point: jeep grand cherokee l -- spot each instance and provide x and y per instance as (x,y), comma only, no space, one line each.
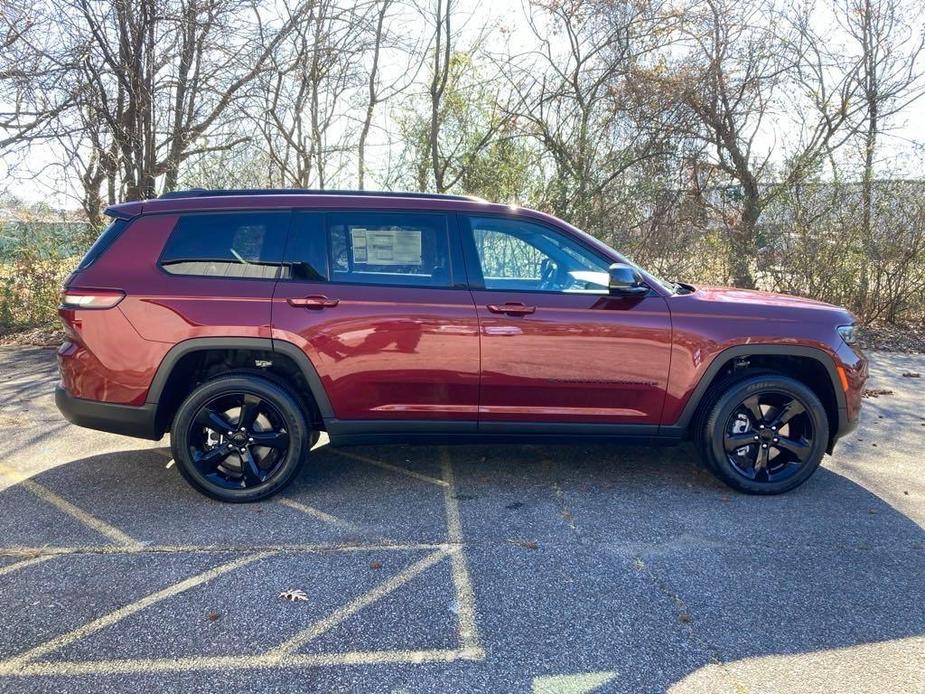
(246,322)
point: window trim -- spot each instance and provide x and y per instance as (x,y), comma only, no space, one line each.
(159,263)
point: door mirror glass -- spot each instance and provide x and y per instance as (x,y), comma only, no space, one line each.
(625,280)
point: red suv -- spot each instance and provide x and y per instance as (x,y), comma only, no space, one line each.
(246,322)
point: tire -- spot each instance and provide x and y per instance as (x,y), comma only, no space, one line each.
(763,434)
(223,462)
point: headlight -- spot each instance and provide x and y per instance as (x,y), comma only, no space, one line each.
(849,333)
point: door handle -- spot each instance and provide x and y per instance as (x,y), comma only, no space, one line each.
(315,302)
(512,309)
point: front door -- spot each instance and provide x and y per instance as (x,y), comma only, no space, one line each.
(373,300)
(555,345)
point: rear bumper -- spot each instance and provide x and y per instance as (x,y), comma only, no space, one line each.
(127,420)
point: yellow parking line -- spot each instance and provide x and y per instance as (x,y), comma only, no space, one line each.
(340,614)
(314,512)
(468,631)
(10,568)
(123,612)
(143,665)
(394,468)
(48,496)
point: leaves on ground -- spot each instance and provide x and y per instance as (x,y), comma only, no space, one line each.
(375,565)
(527,544)
(214,616)
(876,392)
(294,595)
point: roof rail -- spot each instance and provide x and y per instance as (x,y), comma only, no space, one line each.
(203,193)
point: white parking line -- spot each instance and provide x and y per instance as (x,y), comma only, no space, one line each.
(341,613)
(48,496)
(468,631)
(10,568)
(107,620)
(393,468)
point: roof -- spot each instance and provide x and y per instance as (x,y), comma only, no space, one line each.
(204,192)
(203,200)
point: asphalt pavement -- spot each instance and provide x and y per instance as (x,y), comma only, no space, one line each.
(571,568)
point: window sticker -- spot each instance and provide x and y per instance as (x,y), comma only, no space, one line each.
(358,238)
(386,246)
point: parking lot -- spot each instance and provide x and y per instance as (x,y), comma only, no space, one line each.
(478,568)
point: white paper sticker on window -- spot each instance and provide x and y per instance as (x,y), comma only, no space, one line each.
(358,238)
(387,246)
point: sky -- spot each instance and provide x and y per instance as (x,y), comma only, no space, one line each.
(902,146)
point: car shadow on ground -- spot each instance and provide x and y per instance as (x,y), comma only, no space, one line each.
(565,541)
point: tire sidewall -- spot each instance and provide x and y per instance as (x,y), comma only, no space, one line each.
(727,403)
(285,403)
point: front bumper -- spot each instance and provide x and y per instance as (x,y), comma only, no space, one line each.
(127,420)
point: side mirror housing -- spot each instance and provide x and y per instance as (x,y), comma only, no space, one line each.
(625,280)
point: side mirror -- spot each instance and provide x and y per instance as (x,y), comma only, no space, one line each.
(625,280)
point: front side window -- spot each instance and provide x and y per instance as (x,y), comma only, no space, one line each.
(232,244)
(390,248)
(517,255)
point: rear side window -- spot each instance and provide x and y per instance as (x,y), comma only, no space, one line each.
(245,245)
(103,242)
(390,248)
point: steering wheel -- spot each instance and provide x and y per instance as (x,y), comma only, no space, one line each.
(548,272)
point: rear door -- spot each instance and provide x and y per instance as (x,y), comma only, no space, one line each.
(378,303)
(556,347)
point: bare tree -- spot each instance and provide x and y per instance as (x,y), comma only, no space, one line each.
(745,65)
(889,37)
(380,89)
(573,94)
(304,122)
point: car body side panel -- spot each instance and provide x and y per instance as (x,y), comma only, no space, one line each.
(387,352)
(122,347)
(704,328)
(579,358)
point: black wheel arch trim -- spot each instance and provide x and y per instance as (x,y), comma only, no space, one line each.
(723,358)
(200,344)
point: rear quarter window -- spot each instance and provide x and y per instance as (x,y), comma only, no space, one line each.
(102,243)
(247,245)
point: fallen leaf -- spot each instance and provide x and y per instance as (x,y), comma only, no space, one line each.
(528,544)
(875,392)
(214,616)
(293,595)
(375,565)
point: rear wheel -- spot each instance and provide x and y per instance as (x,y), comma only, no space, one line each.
(765,434)
(239,438)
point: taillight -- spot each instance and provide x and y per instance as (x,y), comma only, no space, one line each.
(91,298)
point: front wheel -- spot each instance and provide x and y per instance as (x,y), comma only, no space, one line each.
(765,435)
(239,438)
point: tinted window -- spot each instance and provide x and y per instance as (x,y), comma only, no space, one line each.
(306,252)
(390,248)
(522,256)
(236,244)
(103,241)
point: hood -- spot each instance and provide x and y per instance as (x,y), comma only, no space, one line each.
(756,304)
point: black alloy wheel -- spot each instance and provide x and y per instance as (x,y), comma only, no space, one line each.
(239,440)
(240,437)
(764,434)
(768,437)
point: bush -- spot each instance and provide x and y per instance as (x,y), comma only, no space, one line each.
(32,273)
